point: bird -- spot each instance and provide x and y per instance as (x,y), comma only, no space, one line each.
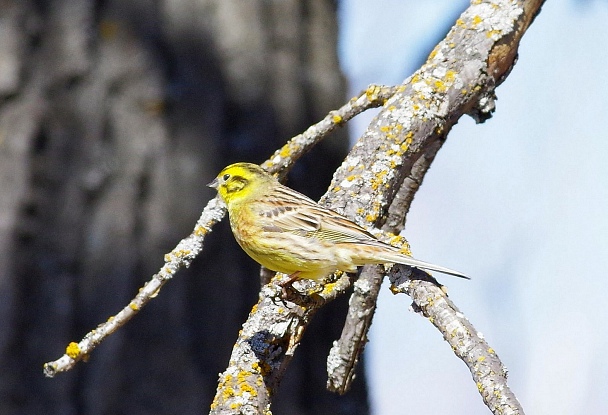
(287,232)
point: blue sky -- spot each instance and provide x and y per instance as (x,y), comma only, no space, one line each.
(520,203)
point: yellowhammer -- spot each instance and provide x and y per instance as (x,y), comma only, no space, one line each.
(287,232)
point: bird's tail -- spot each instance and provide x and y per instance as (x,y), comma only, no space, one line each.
(399,258)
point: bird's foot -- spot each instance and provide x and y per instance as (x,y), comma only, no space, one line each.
(288,285)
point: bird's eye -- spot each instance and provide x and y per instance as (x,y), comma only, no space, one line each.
(226,176)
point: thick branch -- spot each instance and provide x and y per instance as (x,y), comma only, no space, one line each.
(452,82)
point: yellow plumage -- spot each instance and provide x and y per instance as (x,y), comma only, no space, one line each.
(287,232)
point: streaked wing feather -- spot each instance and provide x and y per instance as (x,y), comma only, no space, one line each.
(305,217)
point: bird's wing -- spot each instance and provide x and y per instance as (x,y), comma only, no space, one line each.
(337,228)
(296,213)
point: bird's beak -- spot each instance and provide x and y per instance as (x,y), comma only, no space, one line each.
(214,184)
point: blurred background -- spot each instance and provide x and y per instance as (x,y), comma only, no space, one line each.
(114,114)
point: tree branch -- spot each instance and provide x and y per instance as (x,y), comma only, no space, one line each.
(458,78)
(488,372)
(494,40)
(188,248)
(346,351)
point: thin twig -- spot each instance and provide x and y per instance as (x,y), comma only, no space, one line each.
(285,157)
(487,370)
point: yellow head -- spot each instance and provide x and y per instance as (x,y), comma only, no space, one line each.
(240,182)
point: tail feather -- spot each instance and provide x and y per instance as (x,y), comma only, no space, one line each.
(400,258)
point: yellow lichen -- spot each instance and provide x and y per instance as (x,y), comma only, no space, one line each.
(450,76)
(200,231)
(439,86)
(133,306)
(73,350)
(245,387)
(337,119)
(328,288)
(494,34)
(476,20)
(242,376)
(372,93)
(285,151)
(460,23)
(378,179)
(395,240)
(180,253)
(409,138)
(228,393)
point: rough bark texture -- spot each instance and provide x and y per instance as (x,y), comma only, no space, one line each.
(458,78)
(483,42)
(113,115)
